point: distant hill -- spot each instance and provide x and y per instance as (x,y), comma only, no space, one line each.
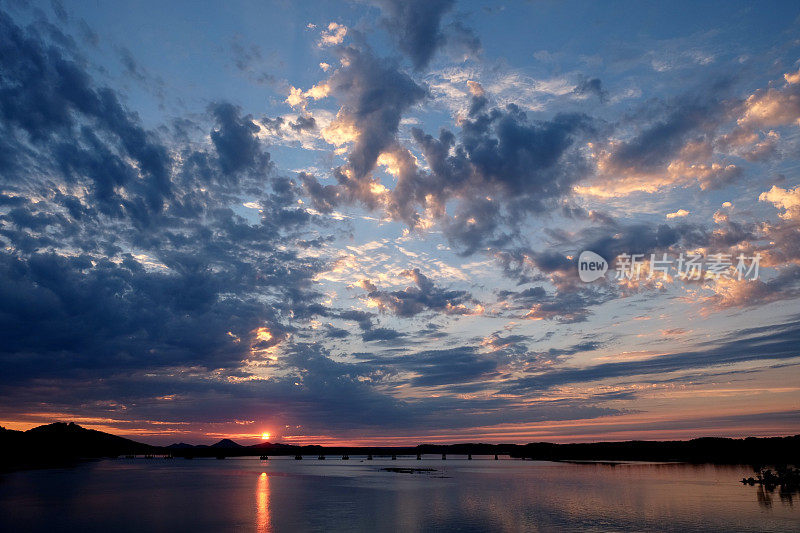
(180,446)
(227,444)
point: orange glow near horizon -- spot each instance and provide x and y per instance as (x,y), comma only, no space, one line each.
(690,422)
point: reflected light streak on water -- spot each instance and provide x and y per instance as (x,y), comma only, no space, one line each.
(263,524)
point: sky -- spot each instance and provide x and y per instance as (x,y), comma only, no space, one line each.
(361,222)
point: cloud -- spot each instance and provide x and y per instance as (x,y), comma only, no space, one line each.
(235,140)
(750,144)
(284,126)
(419,33)
(673,150)
(324,198)
(573,301)
(381,334)
(452,366)
(374,95)
(121,252)
(732,292)
(59,11)
(70,124)
(678,214)
(362,318)
(591,86)
(69,317)
(500,155)
(299,99)
(567,304)
(426,296)
(333,35)
(773,342)
(691,142)
(786,199)
(774,106)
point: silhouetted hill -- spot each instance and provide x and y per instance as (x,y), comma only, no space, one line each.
(226,443)
(750,450)
(61,441)
(275,446)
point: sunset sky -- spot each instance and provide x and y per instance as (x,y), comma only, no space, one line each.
(359,222)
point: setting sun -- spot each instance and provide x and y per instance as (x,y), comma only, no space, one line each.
(264,436)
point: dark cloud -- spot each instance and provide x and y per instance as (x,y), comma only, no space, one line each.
(500,167)
(362,318)
(418,29)
(381,334)
(591,86)
(324,198)
(301,124)
(773,342)
(442,367)
(566,305)
(47,100)
(235,140)
(245,57)
(66,315)
(335,388)
(454,365)
(304,124)
(151,268)
(333,332)
(426,296)
(501,155)
(682,128)
(661,141)
(374,94)
(249,60)
(506,152)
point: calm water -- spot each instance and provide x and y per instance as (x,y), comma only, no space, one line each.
(481,495)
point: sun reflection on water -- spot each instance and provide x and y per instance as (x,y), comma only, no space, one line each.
(263,521)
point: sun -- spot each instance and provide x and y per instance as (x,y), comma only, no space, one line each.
(265,436)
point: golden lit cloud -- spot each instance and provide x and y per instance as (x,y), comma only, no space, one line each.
(263,334)
(679,213)
(333,35)
(786,199)
(340,131)
(774,106)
